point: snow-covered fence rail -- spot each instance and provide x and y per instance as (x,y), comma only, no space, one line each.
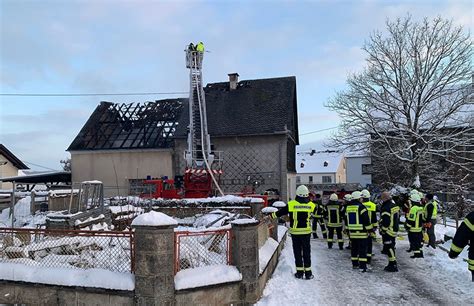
(198,249)
(112,251)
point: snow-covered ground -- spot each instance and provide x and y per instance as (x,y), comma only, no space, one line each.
(436,279)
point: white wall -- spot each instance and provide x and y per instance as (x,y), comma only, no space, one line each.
(354,170)
(7,170)
(317,178)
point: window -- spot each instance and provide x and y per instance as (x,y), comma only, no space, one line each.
(367,169)
(325,164)
(310,178)
(327,179)
(298,179)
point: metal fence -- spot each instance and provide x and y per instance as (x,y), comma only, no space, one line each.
(453,213)
(198,249)
(112,251)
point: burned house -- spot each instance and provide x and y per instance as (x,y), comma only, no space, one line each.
(252,122)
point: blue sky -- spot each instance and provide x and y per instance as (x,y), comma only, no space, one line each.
(106,46)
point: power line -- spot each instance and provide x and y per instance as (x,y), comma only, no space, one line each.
(27,162)
(91,94)
(317,131)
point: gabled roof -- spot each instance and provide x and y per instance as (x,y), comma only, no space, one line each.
(318,162)
(256,107)
(16,162)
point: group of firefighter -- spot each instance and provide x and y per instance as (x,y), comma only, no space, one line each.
(356,216)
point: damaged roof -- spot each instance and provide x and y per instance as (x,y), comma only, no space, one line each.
(255,107)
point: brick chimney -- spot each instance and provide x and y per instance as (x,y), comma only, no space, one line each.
(233,80)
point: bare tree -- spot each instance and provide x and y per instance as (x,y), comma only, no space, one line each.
(412,101)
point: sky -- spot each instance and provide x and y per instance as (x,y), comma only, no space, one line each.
(106,46)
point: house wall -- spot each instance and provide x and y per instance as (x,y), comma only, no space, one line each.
(354,170)
(129,164)
(317,178)
(7,170)
(341,172)
(247,159)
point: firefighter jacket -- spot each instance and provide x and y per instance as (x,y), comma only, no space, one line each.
(464,236)
(333,214)
(299,211)
(431,210)
(372,210)
(200,47)
(357,220)
(389,218)
(415,219)
(319,212)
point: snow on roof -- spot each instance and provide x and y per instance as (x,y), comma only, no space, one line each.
(318,162)
(154,218)
(269,210)
(206,276)
(245,221)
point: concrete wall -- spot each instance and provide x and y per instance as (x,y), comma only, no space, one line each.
(129,164)
(354,170)
(7,170)
(260,158)
(38,294)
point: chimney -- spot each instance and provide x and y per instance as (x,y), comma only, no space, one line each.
(233,80)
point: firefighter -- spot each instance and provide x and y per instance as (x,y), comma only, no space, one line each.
(414,225)
(389,222)
(430,214)
(318,217)
(464,236)
(359,226)
(372,210)
(200,47)
(333,216)
(299,211)
(347,201)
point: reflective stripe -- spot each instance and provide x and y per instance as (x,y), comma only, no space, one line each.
(391,256)
(385,213)
(455,248)
(469,224)
(274,215)
(354,258)
(340,240)
(307,269)
(363,259)
(300,231)
(299,268)
(358,235)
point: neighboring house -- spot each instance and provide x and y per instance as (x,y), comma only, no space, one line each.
(320,168)
(253,122)
(359,170)
(9,165)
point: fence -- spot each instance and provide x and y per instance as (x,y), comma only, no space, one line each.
(112,251)
(198,249)
(453,213)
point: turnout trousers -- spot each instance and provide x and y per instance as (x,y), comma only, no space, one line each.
(431,233)
(338,231)
(359,253)
(315,227)
(416,241)
(389,248)
(302,252)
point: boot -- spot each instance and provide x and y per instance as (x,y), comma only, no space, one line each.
(392,267)
(369,260)
(329,245)
(409,250)
(472,273)
(299,274)
(308,275)
(315,236)
(417,255)
(341,245)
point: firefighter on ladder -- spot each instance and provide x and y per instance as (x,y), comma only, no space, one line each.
(299,211)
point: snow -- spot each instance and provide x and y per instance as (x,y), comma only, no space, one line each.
(266,252)
(245,221)
(226,198)
(91,182)
(269,210)
(90,219)
(154,218)
(125,208)
(282,230)
(21,211)
(96,278)
(315,163)
(416,182)
(206,276)
(279,204)
(61,192)
(436,279)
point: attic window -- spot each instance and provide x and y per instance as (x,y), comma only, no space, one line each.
(325,164)
(302,163)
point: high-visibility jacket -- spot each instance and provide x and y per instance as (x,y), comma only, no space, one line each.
(415,219)
(431,210)
(389,220)
(464,236)
(372,210)
(333,214)
(300,215)
(200,47)
(320,210)
(357,220)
